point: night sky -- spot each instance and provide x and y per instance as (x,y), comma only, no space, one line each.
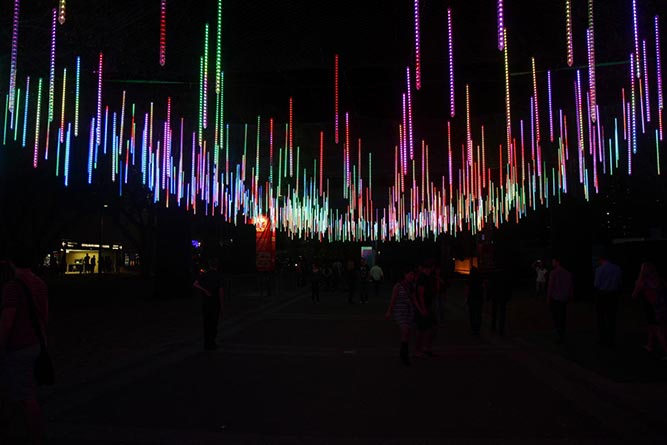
(276,50)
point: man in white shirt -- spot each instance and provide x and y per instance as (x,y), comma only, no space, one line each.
(540,279)
(376,277)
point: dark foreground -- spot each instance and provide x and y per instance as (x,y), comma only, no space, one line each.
(132,371)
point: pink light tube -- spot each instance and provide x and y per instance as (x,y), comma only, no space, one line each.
(450,45)
(633,105)
(646,90)
(507,92)
(336,113)
(568,31)
(658,69)
(15,42)
(501,26)
(205,86)
(418,76)
(449,151)
(99,100)
(291,140)
(270,150)
(551,118)
(403,134)
(537,112)
(163,32)
(636,34)
(409,132)
(52,69)
(591,72)
(468,130)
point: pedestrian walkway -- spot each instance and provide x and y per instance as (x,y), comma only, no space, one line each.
(294,372)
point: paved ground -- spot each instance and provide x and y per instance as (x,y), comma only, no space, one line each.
(133,372)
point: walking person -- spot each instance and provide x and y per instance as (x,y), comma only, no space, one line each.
(351,277)
(23,324)
(652,291)
(363,281)
(86,264)
(607,284)
(425,315)
(500,291)
(315,282)
(211,286)
(401,307)
(559,293)
(377,276)
(541,273)
(474,293)
(440,296)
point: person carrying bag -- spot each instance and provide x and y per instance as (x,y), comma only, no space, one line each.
(44,374)
(23,321)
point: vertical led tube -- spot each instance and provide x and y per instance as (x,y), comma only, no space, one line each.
(336,139)
(99,100)
(507,91)
(590,35)
(257,137)
(163,32)
(52,69)
(67,153)
(200,126)
(646,88)
(61,13)
(633,104)
(409,132)
(91,151)
(270,149)
(322,160)
(658,65)
(418,77)
(450,41)
(658,75)
(501,26)
(15,121)
(37,123)
(25,111)
(551,119)
(122,121)
(636,34)
(205,85)
(76,99)
(568,32)
(15,43)
(468,129)
(291,138)
(449,157)
(4,131)
(62,108)
(538,135)
(218,52)
(347,151)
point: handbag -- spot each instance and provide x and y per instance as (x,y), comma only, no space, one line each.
(43,370)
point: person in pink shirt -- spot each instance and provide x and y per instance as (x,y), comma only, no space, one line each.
(19,340)
(559,293)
